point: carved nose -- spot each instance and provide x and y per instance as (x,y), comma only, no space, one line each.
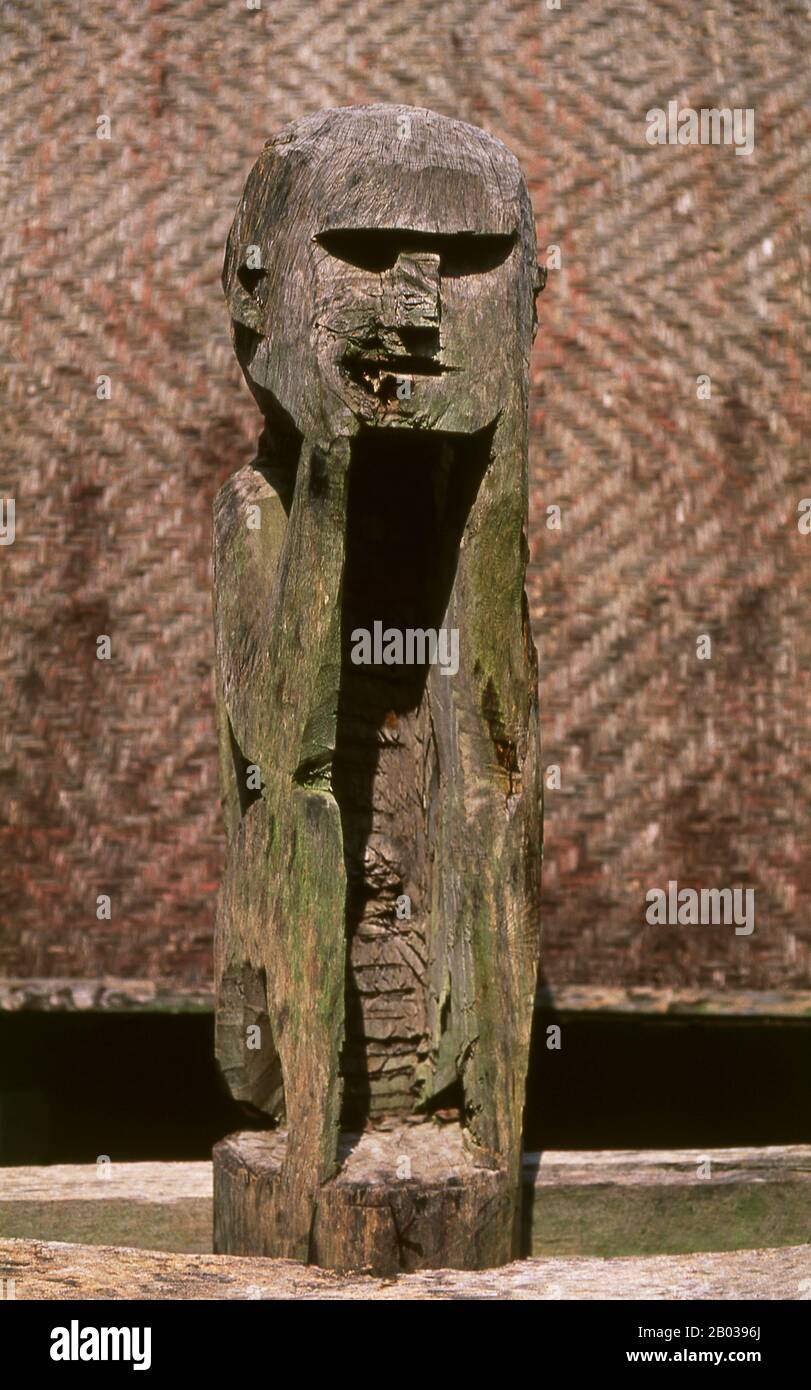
(412,300)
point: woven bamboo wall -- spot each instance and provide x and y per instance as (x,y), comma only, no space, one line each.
(679,516)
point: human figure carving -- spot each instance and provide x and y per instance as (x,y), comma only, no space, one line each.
(377,927)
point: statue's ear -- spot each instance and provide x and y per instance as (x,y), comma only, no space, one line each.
(244,280)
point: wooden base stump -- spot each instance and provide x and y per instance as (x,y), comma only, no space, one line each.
(406,1198)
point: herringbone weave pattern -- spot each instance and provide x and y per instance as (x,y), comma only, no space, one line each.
(679,515)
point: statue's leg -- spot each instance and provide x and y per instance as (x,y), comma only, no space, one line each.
(284,886)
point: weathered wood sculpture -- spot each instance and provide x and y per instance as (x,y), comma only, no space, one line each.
(378,921)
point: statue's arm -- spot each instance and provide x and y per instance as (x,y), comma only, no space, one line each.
(249,525)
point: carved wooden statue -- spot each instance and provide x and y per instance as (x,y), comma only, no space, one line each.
(378,921)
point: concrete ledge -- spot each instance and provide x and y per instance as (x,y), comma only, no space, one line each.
(107,995)
(656,1201)
(111,994)
(149,1206)
(578,1204)
(709,1004)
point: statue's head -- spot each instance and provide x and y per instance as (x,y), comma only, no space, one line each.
(381,270)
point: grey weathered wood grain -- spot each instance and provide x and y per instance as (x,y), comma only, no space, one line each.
(49,1270)
(375,246)
(406,1197)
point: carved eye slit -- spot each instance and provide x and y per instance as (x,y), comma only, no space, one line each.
(250,277)
(376,249)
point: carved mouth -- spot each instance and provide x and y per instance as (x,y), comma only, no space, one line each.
(376,374)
